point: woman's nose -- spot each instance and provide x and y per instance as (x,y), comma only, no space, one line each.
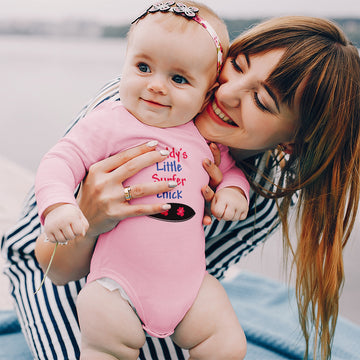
(229,95)
(157,85)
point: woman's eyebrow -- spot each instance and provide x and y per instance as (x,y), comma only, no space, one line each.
(273,96)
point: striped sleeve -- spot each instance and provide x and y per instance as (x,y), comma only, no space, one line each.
(49,320)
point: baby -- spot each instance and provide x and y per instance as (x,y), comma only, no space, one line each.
(149,273)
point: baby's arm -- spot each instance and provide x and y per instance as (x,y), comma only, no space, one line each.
(64,222)
(231,200)
(63,167)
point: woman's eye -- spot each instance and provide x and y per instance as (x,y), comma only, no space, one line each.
(179,79)
(143,67)
(259,104)
(236,65)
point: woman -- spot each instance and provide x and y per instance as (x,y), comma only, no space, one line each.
(304,97)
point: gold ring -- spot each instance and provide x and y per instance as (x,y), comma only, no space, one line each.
(127,193)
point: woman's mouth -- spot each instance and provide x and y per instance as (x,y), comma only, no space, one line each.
(220,115)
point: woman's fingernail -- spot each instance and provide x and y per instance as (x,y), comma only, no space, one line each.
(164,152)
(152,143)
(207,190)
(166,207)
(207,162)
(172,184)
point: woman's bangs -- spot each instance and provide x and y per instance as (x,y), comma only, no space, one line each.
(288,74)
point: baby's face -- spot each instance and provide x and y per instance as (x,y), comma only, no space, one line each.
(168,71)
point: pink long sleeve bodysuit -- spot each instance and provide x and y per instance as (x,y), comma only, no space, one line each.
(158,261)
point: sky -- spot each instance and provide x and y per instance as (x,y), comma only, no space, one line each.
(119,11)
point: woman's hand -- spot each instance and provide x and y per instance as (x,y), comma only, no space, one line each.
(215,179)
(102,201)
(101,197)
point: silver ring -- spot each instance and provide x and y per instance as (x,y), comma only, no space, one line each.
(127,193)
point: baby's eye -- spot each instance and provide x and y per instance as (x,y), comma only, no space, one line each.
(143,67)
(179,79)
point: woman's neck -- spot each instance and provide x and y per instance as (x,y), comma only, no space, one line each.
(240,154)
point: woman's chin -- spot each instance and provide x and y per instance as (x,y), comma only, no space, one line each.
(213,131)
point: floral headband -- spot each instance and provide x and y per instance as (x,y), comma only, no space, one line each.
(190,13)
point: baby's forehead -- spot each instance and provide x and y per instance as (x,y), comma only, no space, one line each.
(169,22)
(186,35)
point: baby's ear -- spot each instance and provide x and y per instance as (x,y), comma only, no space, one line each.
(208,96)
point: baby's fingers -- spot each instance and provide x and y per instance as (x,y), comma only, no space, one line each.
(57,236)
(234,214)
(218,209)
(67,234)
(241,214)
(54,233)
(79,227)
(50,237)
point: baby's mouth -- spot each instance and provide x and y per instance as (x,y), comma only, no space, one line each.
(221,115)
(154,103)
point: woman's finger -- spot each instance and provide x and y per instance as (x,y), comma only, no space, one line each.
(146,189)
(216,153)
(208,195)
(139,210)
(214,173)
(133,166)
(113,162)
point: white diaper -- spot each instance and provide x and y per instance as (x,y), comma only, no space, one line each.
(112,285)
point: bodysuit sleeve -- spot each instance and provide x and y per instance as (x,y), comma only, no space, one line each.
(66,164)
(232,175)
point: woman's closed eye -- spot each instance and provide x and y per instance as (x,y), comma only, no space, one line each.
(242,64)
(179,79)
(236,65)
(259,104)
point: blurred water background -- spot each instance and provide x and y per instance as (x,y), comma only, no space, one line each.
(44,82)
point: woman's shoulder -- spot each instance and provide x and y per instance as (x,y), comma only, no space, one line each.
(108,93)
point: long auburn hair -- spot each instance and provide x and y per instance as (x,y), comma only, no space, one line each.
(324,166)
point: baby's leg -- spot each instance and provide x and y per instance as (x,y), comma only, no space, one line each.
(110,329)
(210,329)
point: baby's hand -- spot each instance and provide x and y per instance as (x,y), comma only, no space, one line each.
(64,222)
(229,204)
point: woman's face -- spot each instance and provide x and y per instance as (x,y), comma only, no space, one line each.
(246,112)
